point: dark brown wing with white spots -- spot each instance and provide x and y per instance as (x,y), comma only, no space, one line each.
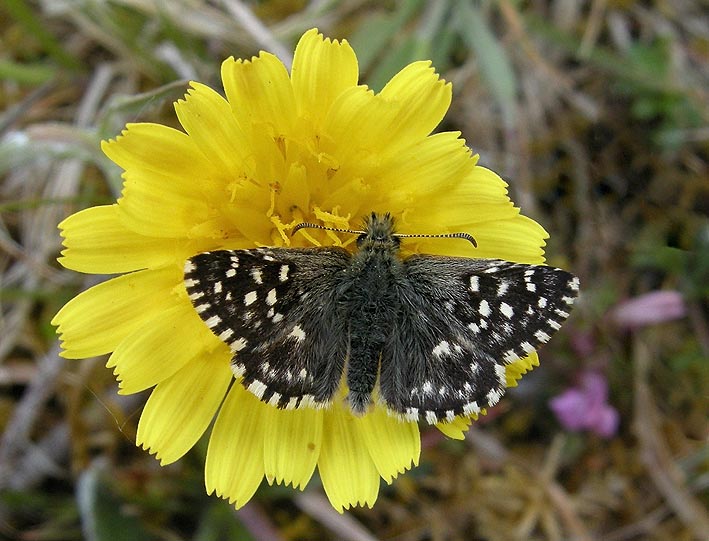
(275,309)
(461,321)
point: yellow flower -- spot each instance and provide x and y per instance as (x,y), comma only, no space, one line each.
(278,151)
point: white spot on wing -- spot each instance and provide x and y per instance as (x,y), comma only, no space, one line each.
(471,408)
(217,287)
(250,298)
(542,336)
(238,345)
(298,333)
(257,388)
(493,397)
(292,403)
(509,356)
(257,276)
(443,348)
(283,274)
(474,284)
(501,372)
(527,347)
(271,297)
(506,310)
(238,369)
(213,321)
(502,288)
(225,335)
(484,308)
(431,418)
(231,273)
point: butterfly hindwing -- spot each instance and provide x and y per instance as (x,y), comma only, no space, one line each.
(460,322)
(274,308)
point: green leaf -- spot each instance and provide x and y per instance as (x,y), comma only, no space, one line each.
(495,66)
(220,522)
(103,516)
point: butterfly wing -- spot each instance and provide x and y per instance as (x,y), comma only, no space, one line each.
(461,321)
(274,307)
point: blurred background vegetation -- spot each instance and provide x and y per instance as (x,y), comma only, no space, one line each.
(596,112)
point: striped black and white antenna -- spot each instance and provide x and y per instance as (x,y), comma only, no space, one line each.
(466,236)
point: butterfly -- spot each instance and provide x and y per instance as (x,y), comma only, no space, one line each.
(427,336)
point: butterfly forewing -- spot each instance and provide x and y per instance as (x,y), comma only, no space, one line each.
(275,309)
(461,321)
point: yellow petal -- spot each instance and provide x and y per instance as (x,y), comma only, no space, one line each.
(435,163)
(260,93)
(161,347)
(366,122)
(234,465)
(520,240)
(159,149)
(455,429)
(157,213)
(394,446)
(292,441)
(208,119)
(168,181)
(422,99)
(515,371)
(483,210)
(322,70)
(97,242)
(97,320)
(479,196)
(181,408)
(347,471)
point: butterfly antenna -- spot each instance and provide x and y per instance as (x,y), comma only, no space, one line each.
(466,236)
(306,225)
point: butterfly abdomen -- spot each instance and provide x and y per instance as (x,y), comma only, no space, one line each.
(370,305)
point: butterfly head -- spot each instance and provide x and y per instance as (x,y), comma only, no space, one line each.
(378,233)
